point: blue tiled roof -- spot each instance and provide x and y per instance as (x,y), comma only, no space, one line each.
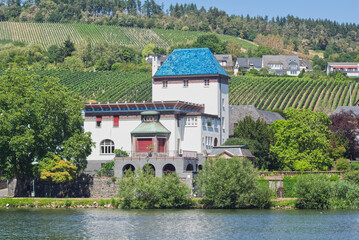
(190,61)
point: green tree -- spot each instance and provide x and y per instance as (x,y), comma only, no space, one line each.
(302,141)
(148,49)
(210,41)
(262,133)
(54,169)
(38,117)
(234,48)
(232,183)
(72,63)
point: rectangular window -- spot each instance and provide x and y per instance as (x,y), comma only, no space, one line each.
(206,82)
(191,121)
(164,84)
(98,121)
(116,120)
(185,83)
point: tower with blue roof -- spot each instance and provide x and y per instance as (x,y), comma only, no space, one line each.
(195,75)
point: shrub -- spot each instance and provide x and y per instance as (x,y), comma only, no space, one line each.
(289,185)
(354,166)
(352,176)
(313,191)
(232,183)
(147,191)
(342,164)
(345,195)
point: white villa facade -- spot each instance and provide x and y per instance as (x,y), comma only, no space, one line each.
(188,116)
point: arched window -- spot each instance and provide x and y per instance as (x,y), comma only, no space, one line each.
(189,167)
(215,142)
(128,168)
(107,146)
(168,168)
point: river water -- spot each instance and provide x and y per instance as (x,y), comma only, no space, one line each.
(177,224)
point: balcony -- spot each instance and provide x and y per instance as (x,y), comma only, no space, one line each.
(160,155)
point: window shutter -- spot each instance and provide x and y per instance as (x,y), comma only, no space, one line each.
(116,120)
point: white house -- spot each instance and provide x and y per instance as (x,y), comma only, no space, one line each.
(351,69)
(188,115)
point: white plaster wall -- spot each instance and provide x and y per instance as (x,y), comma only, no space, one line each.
(170,124)
(225,113)
(192,137)
(121,136)
(195,93)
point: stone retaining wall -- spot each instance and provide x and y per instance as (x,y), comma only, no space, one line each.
(84,186)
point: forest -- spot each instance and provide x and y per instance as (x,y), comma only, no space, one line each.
(283,32)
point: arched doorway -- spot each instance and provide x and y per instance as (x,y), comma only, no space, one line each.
(189,168)
(168,168)
(215,142)
(200,167)
(128,167)
(151,168)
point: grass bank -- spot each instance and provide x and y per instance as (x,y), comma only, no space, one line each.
(103,203)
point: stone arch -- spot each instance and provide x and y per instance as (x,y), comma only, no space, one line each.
(153,169)
(168,168)
(128,167)
(189,167)
(215,142)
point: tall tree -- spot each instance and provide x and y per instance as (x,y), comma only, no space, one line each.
(38,117)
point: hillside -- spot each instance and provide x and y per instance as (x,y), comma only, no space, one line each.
(264,93)
(48,34)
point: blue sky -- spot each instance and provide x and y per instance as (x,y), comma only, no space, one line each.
(339,10)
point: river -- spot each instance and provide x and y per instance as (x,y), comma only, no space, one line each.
(177,224)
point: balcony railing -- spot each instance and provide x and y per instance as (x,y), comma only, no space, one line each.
(152,154)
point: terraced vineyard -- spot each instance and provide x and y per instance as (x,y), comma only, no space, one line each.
(281,93)
(56,33)
(105,86)
(264,93)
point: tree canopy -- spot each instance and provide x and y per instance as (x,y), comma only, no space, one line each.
(302,141)
(38,117)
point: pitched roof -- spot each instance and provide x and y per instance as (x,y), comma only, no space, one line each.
(239,112)
(236,150)
(192,61)
(280,59)
(150,127)
(306,64)
(224,58)
(249,62)
(354,109)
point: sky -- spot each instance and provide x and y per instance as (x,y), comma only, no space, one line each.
(342,11)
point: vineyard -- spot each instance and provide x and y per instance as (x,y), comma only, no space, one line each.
(105,86)
(281,93)
(48,34)
(264,93)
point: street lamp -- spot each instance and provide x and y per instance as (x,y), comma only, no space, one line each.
(33,180)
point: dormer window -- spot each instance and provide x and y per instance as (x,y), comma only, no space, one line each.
(185,83)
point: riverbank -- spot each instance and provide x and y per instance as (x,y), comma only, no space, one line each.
(279,203)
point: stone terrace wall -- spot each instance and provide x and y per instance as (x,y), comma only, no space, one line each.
(85,186)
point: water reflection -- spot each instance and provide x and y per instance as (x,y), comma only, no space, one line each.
(177,224)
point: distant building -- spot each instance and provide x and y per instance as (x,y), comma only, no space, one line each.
(248,64)
(354,109)
(240,151)
(187,117)
(306,65)
(351,69)
(282,64)
(156,60)
(225,61)
(239,112)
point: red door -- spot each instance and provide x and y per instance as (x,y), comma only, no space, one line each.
(161,144)
(142,144)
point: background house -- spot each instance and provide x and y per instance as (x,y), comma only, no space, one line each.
(239,112)
(282,64)
(156,60)
(351,69)
(225,61)
(247,64)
